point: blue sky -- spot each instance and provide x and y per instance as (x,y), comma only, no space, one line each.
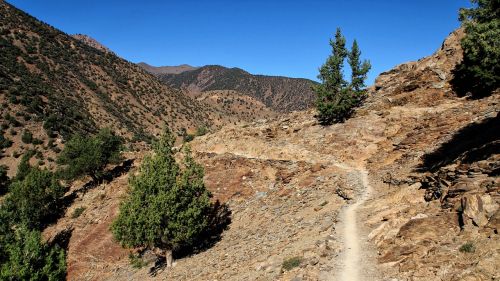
(273,37)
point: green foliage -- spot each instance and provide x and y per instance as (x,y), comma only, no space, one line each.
(201,131)
(467,248)
(77,212)
(90,155)
(336,98)
(136,261)
(26,257)
(167,206)
(291,263)
(4,142)
(479,72)
(359,70)
(4,179)
(27,137)
(35,199)
(24,165)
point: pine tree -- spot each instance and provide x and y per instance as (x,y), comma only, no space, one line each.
(167,206)
(336,98)
(359,70)
(478,73)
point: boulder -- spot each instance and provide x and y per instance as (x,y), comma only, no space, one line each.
(478,209)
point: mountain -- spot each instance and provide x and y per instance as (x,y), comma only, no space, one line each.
(166,69)
(91,42)
(279,94)
(53,85)
(407,189)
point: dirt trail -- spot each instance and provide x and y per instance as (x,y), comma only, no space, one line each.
(354,264)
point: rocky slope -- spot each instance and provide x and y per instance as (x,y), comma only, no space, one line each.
(429,159)
(279,94)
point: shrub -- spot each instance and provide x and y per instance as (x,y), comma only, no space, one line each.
(4,179)
(77,212)
(35,200)
(467,248)
(202,130)
(4,142)
(136,261)
(90,155)
(291,263)
(26,257)
(27,137)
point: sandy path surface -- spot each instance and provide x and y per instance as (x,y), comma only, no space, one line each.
(354,266)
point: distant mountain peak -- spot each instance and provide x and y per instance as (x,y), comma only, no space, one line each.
(281,94)
(175,69)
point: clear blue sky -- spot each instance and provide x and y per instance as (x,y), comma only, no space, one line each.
(273,37)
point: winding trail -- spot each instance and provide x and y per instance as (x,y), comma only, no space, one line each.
(352,262)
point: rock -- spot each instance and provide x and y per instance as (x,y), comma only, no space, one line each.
(478,209)
(313,261)
(343,194)
(316,167)
(419,216)
(260,194)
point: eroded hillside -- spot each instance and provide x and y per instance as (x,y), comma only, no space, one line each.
(431,210)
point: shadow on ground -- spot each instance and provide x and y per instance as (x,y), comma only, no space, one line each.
(219,221)
(474,142)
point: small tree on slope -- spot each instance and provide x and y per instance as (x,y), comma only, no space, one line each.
(336,98)
(167,207)
(90,155)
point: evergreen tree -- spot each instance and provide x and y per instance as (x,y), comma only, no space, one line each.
(359,70)
(90,155)
(167,206)
(35,199)
(479,72)
(26,257)
(336,98)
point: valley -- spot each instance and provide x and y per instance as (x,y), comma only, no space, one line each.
(405,189)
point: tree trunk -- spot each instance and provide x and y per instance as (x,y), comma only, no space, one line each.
(169,258)
(167,254)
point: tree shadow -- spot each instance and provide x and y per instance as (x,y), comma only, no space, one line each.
(474,142)
(62,239)
(106,177)
(468,82)
(219,221)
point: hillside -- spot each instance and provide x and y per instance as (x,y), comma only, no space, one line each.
(91,42)
(279,94)
(166,69)
(407,189)
(53,85)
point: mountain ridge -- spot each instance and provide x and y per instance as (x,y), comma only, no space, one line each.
(281,94)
